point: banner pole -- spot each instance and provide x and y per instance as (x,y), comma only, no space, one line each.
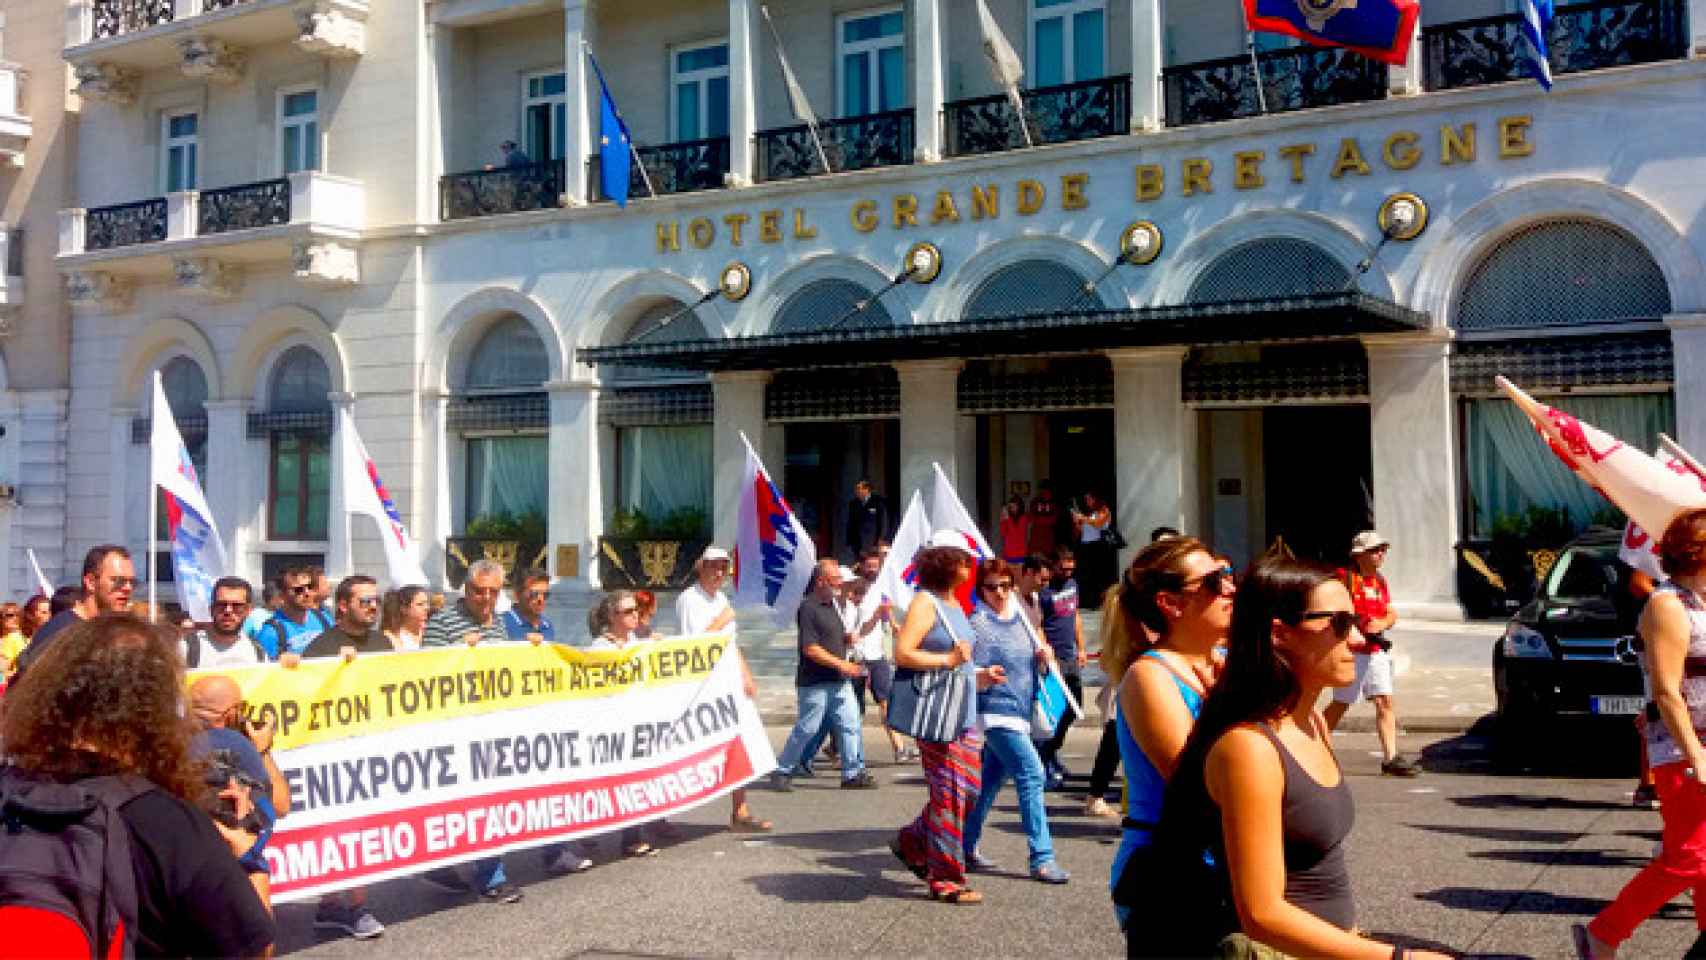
(1683,455)
(153,500)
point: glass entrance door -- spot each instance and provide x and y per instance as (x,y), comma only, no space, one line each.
(824,460)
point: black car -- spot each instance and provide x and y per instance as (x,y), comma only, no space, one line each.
(1572,651)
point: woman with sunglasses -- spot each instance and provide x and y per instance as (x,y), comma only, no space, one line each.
(12,637)
(612,624)
(1171,610)
(1003,639)
(1259,786)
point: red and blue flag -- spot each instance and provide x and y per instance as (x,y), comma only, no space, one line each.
(1378,29)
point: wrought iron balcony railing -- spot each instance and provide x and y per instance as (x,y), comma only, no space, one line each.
(853,143)
(114,18)
(485,193)
(1294,79)
(125,224)
(1585,36)
(243,207)
(1060,114)
(672,168)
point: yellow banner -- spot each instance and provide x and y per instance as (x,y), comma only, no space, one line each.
(327,699)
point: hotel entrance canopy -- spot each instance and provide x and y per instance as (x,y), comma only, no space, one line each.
(1322,316)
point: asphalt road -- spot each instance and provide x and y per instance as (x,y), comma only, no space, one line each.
(1465,858)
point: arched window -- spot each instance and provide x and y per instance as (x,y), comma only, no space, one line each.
(1270,268)
(662,322)
(509,356)
(1562,273)
(299,501)
(662,419)
(186,389)
(1031,287)
(300,383)
(830,303)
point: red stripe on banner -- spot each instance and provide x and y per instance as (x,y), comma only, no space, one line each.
(400,842)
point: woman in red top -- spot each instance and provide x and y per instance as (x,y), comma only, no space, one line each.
(1015,531)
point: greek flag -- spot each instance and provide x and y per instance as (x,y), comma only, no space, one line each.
(1536,24)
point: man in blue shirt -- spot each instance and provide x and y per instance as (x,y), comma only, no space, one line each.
(300,620)
(1064,631)
(527,616)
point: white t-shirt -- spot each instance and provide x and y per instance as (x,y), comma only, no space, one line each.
(241,653)
(605,643)
(870,647)
(696,610)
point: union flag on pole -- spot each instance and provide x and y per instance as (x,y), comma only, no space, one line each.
(897,580)
(948,513)
(198,555)
(1377,29)
(774,555)
(365,493)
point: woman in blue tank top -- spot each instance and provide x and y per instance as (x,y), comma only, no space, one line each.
(1174,608)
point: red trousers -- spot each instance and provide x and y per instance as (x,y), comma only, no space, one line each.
(1680,866)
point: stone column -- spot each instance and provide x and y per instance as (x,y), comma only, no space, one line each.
(930,430)
(339,558)
(227,473)
(435,515)
(743,91)
(580,92)
(1155,443)
(737,404)
(118,466)
(929,90)
(1697,34)
(1147,59)
(1415,469)
(440,128)
(1688,349)
(576,512)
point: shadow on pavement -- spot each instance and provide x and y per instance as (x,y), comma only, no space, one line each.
(1489,900)
(862,878)
(1516,801)
(1565,858)
(1502,834)
(836,840)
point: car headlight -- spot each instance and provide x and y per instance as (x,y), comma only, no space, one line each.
(1521,642)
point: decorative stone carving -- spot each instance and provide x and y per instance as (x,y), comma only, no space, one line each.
(210,59)
(326,261)
(329,31)
(106,81)
(206,277)
(98,289)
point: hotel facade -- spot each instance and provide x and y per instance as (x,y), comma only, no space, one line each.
(1250,311)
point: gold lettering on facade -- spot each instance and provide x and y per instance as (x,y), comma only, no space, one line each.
(1400,150)
(985,202)
(1513,137)
(1350,160)
(735,221)
(802,229)
(1455,146)
(905,210)
(770,226)
(669,237)
(1072,191)
(1193,176)
(944,211)
(1151,180)
(864,216)
(701,231)
(1295,152)
(1247,169)
(1031,196)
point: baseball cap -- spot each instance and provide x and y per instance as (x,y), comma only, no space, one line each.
(952,539)
(1368,540)
(713,552)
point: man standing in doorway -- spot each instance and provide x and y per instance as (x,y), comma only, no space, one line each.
(1063,628)
(109,577)
(1374,662)
(868,519)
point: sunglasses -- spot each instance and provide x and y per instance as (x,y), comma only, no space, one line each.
(998,585)
(483,591)
(1341,621)
(367,601)
(121,582)
(302,588)
(1213,582)
(229,604)
(625,611)
(538,594)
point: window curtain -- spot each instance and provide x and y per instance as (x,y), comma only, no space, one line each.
(1510,468)
(665,469)
(507,475)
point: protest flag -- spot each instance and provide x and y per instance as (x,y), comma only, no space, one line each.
(198,555)
(1004,65)
(774,555)
(365,493)
(1640,549)
(948,513)
(897,581)
(41,578)
(1378,29)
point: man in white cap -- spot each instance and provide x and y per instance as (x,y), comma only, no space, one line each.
(1374,661)
(703,608)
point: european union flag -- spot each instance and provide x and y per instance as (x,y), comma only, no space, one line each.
(1377,29)
(615,152)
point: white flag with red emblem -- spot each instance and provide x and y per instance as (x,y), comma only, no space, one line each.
(365,493)
(1641,549)
(1647,489)
(897,580)
(948,513)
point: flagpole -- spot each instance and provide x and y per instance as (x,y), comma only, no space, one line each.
(153,497)
(811,122)
(1683,455)
(1255,63)
(645,177)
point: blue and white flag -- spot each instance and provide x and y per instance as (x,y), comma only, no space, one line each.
(198,555)
(615,150)
(1536,27)
(774,555)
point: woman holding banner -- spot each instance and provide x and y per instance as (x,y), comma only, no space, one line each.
(612,624)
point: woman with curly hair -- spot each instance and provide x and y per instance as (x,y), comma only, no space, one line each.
(108,699)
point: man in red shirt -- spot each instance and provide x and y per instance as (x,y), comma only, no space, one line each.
(1374,661)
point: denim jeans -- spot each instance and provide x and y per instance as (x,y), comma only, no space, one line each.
(1009,753)
(832,700)
(488,873)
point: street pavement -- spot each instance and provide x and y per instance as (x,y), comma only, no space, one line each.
(1463,858)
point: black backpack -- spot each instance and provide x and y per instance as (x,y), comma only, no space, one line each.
(67,884)
(284,635)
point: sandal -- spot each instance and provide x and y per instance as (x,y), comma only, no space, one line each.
(917,869)
(641,849)
(959,896)
(747,823)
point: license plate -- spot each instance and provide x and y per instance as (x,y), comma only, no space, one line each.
(1618,706)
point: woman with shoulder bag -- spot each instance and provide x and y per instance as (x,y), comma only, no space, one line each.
(935,701)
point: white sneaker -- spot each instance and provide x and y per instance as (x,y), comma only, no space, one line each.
(568,861)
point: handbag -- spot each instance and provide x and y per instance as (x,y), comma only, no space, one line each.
(930,705)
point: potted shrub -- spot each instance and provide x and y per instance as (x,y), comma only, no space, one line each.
(652,553)
(515,542)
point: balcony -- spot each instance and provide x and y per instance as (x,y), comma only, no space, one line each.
(1061,114)
(1585,36)
(205,239)
(109,42)
(486,193)
(1299,78)
(682,167)
(853,143)
(15,126)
